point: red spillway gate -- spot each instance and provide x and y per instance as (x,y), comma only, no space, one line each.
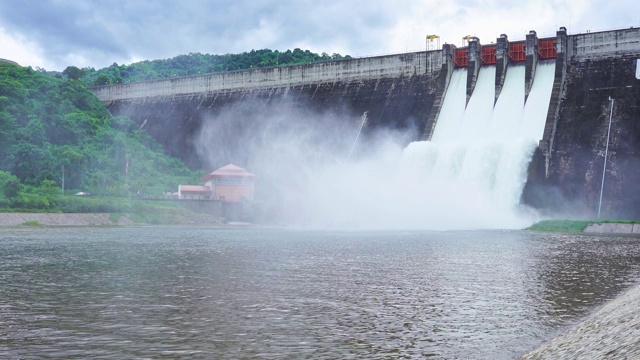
(460,58)
(488,55)
(547,49)
(517,52)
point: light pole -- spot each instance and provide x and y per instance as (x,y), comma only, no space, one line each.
(606,152)
(364,120)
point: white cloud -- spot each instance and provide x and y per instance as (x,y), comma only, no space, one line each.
(20,50)
(56,34)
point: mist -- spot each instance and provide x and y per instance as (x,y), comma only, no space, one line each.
(306,178)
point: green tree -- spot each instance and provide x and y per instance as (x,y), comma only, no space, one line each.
(49,192)
(196,63)
(102,79)
(48,123)
(10,185)
(73,73)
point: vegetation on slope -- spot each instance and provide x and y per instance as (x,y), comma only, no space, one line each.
(56,137)
(196,63)
(52,129)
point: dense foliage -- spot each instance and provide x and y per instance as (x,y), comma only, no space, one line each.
(52,129)
(57,138)
(194,64)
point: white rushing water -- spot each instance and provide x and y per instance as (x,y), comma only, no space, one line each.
(470,176)
(479,155)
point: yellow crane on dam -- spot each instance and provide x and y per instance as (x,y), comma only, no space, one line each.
(467,39)
(430,39)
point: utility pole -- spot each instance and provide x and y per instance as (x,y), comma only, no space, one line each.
(364,120)
(606,152)
(62,179)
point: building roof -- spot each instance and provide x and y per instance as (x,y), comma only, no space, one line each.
(195,189)
(228,170)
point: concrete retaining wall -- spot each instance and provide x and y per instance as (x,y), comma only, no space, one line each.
(613,228)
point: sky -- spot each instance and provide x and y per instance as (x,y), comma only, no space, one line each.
(54,34)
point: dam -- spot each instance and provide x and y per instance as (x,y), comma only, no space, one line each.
(560,87)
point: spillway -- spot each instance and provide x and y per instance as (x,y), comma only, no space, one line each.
(477,160)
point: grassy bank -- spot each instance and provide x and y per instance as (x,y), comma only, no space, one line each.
(572,225)
(139,211)
(560,225)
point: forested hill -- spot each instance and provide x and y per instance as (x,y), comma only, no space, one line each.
(50,127)
(196,63)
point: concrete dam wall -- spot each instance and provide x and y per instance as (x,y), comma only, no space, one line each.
(397,91)
(405,92)
(566,175)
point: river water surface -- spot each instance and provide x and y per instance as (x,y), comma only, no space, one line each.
(174,292)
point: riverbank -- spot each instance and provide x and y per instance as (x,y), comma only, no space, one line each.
(51,219)
(594,227)
(98,219)
(613,332)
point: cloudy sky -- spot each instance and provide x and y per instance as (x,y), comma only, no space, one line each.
(54,34)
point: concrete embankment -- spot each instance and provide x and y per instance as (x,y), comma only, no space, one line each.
(613,228)
(105,219)
(13,219)
(613,332)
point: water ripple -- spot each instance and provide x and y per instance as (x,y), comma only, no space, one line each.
(273,294)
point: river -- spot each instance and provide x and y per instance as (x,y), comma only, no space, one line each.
(231,293)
